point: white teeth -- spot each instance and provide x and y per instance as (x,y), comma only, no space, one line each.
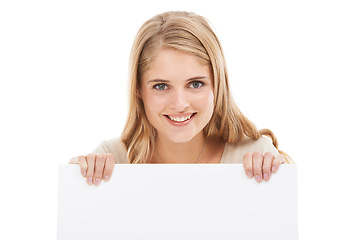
(180,119)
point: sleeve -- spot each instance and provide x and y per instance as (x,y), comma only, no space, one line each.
(272,149)
(100,148)
(269,147)
(235,153)
(114,146)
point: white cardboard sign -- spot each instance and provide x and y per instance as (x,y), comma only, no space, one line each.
(178,201)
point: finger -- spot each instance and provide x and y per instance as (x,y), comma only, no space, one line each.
(99,168)
(268,160)
(74,160)
(247,162)
(109,166)
(90,159)
(279,159)
(83,165)
(257,166)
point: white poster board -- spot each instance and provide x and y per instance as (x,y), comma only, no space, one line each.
(178,201)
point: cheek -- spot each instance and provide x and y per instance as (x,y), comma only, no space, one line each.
(206,102)
(153,105)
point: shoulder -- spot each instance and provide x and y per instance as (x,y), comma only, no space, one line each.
(115,146)
(234,153)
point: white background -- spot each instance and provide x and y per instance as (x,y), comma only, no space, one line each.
(293,68)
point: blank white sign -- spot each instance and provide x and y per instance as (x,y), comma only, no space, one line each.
(178,201)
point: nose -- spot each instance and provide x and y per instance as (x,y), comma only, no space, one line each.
(179,101)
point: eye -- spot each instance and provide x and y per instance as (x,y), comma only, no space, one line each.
(160,86)
(196,84)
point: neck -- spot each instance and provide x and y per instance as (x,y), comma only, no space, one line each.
(185,152)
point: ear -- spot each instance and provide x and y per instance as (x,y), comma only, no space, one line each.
(138,94)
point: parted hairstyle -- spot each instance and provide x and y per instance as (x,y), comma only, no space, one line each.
(188,33)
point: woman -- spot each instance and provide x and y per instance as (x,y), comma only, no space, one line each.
(181,110)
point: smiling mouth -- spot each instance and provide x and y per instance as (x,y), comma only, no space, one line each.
(180,119)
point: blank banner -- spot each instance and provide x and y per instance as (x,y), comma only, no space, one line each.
(178,201)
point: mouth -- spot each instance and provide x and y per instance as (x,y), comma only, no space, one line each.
(180,119)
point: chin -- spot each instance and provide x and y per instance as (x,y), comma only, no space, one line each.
(181,138)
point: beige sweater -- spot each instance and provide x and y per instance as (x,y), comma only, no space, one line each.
(232,153)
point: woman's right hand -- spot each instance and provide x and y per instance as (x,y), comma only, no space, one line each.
(95,166)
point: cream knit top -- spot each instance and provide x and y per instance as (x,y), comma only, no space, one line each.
(232,153)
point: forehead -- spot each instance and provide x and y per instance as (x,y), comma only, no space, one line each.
(176,65)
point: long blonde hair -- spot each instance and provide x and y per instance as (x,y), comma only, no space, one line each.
(189,33)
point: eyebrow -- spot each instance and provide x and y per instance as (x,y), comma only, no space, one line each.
(159,80)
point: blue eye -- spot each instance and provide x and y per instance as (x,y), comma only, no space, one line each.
(196,84)
(160,86)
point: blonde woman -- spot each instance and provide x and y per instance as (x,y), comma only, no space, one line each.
(181,109)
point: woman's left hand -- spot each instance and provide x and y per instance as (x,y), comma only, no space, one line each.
(261,166)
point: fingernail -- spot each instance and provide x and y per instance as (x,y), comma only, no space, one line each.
(84,173)
(266,176)
(89,180)
(106,178)
(258,178)
(273,169)
(97,181)
(249,174)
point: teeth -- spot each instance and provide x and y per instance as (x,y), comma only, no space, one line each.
(180,119)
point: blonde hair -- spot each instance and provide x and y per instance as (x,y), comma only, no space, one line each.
(189,33)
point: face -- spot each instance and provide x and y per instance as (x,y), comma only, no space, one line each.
(178,95)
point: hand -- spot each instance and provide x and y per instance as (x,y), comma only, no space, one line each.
(260,166)
(95,167)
